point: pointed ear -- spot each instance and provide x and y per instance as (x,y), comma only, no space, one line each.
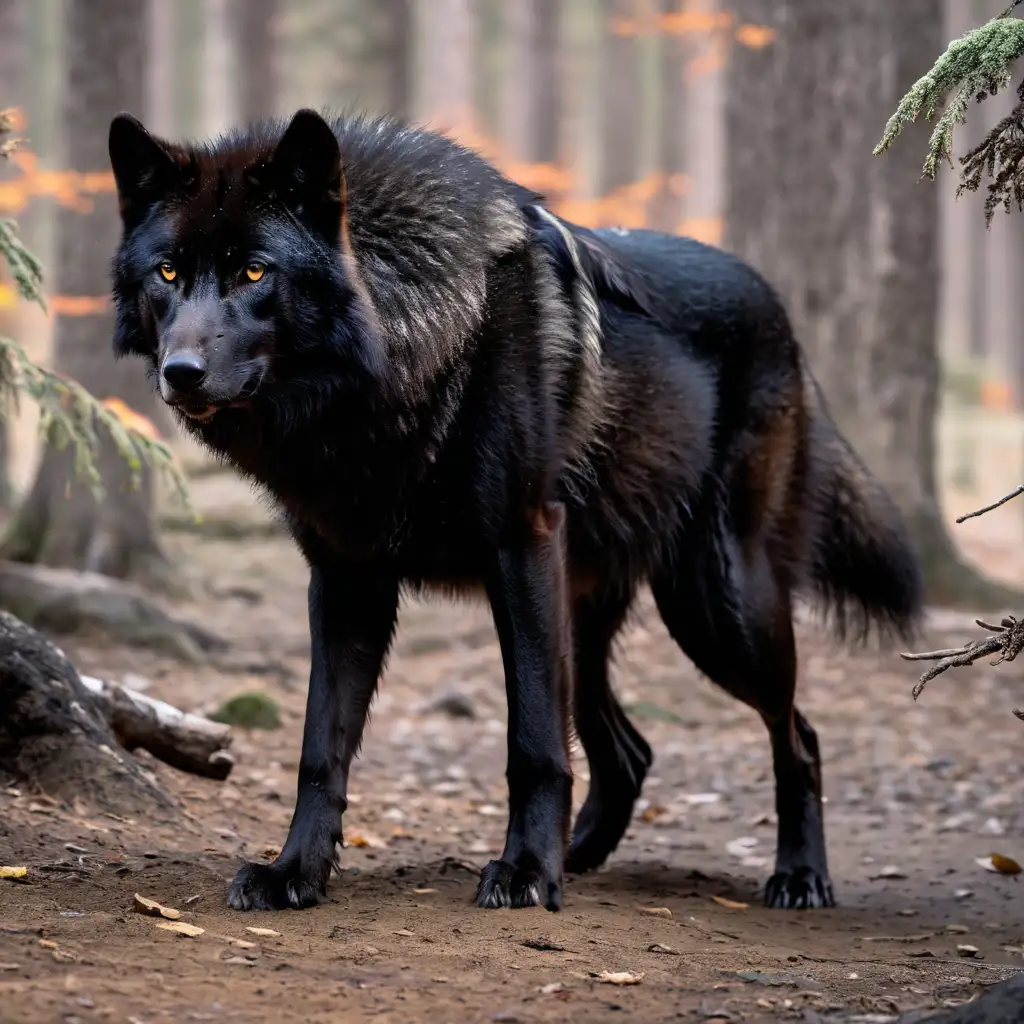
(305,172)
(145,169)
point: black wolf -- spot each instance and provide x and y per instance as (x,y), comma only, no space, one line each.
(442,385)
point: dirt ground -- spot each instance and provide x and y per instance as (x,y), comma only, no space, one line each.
(917,793)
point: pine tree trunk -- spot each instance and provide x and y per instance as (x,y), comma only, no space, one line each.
(621,130)
(851,240)
(62,523)
(13,70)
(446,32)
(255,22)
(530,94)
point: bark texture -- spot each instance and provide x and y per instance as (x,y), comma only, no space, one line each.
(851,240)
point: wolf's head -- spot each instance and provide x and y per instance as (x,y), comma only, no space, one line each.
(234,277)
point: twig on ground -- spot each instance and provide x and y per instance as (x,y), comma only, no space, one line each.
(988,508)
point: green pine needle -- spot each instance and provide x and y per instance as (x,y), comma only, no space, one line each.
(975,66)
(69,414)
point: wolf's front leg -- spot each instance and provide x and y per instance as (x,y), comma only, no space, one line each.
(352,615)
(528,594)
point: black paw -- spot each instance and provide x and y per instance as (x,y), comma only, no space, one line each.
(276,887)
(504,885)
(597,834)
(801,889)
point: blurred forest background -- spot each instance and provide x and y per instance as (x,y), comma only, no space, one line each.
(748,124)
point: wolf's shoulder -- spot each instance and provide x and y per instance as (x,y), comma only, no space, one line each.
(409,184)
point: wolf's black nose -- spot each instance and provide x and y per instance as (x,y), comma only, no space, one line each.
(184,371)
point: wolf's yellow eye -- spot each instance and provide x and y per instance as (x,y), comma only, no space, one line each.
(255,270)
(167,271)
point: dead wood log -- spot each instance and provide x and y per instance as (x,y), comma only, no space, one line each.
(52,735)
(187,742)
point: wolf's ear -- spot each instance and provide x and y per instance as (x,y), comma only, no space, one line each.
(305,172)
(145,169)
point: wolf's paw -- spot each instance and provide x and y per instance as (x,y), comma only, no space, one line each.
(275,886)
(505,885)
(800,889)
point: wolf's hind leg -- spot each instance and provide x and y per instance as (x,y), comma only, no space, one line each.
(743,641)
(618,755)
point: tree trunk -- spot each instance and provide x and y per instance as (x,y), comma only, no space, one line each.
(530,93)
(446,32)
(666,206)
(63,523)
(13,70)
(851,240)
(255,23)
(621,128)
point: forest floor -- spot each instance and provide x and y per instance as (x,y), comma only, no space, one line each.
(917,794)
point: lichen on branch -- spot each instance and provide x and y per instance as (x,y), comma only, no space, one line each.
(974,67)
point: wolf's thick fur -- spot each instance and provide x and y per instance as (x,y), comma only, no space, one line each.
(443,385)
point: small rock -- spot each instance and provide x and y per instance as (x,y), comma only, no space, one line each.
(889,871)
(967,951)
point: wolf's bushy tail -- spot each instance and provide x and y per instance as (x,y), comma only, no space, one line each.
(863,566)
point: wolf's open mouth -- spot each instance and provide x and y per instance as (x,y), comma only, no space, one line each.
(201,415)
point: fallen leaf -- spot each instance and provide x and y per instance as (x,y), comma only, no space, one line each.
(730,904)
(181,928)
(424,892)
(1005,865)
(405,933)
(239,961)
(47,943)
(365,840)
(146,906)
(620,977)
(653,812)
(656,911)
(657,947)
(268,933)
(10,967)
(18,872)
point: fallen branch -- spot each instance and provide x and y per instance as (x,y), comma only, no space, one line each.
(187,742)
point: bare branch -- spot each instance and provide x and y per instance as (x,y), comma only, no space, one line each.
(1006,497)
(1008,643)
